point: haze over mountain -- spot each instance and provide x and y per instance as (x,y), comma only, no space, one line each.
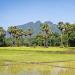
(36,26)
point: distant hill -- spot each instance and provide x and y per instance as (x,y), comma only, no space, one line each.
(36,26)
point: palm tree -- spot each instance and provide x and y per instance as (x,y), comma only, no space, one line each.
(2,36)
(18,33)
(30,32)
(15,34)
(10,30)
(66,31)
(62,29)
(70,31)
(25,33)
(46,33)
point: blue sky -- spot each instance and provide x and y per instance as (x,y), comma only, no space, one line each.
(16,12)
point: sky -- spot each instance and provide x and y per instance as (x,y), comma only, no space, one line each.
(17,12)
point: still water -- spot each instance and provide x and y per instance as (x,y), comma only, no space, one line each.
(23,68)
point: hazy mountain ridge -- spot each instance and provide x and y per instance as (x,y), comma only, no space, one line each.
(36,26)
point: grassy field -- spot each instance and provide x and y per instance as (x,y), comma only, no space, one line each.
(38,48)
(38,54)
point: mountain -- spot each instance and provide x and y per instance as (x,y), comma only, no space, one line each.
(53,26)
(36,26)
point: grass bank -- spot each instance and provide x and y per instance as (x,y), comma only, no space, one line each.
(39,48)
(30,54)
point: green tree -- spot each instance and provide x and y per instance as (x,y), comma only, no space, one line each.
(46,33)
(2,36)
(10,30)
(55,39)
(72,35)
(39,39)
(30,32)
(16,34)
(61,27)
(67,31)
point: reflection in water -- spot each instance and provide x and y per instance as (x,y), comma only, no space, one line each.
(61,68)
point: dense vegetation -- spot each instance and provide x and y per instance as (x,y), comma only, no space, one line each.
(45,37)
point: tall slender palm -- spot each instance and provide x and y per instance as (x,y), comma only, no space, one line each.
(61,27)
(2,36)
(18,33)
(67,29)
(10,30)
(46,33)
(14,33)
(18,36)
(30,32)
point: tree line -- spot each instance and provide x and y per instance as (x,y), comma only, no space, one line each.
(45,37)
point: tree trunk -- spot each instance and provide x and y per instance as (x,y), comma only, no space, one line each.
(61,39)
(30,41)
(67,39)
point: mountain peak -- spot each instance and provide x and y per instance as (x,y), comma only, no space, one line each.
(48,22)
(38,22)
(36,26)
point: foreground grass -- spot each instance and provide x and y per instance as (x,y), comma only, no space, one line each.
(38,48)
(30,54)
